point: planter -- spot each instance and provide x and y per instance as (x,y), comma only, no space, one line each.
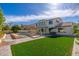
(15,36)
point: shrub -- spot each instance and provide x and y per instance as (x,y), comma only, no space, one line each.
(15,28)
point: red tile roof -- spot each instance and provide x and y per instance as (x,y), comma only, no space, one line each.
(65,24)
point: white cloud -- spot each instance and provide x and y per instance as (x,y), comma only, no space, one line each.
(51,13)
(59,13)
(46,14)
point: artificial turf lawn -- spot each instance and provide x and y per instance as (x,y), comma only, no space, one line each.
(49,46)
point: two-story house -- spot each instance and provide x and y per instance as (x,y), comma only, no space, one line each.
(47,26)
(54,25)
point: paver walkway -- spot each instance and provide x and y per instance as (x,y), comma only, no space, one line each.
(5,47)
(75,51)
(25,40)
(6,51)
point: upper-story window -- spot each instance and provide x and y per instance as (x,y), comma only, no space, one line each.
(57,21)
(50,22)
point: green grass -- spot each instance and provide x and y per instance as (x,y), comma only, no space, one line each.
(49,46)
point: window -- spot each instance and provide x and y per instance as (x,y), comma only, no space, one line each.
(60,30)
(42,30)
(57,21)
(50,29)
(50,22)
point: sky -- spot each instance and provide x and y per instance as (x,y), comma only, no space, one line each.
(23,12)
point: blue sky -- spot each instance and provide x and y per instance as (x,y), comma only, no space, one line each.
(23,9)
(23,12)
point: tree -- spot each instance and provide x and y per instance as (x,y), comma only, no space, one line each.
(75,27)
(2,19)
(15,28)
(6,27)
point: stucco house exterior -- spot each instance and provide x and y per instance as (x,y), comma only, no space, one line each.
(46,26)
(54,25)
(66,27)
